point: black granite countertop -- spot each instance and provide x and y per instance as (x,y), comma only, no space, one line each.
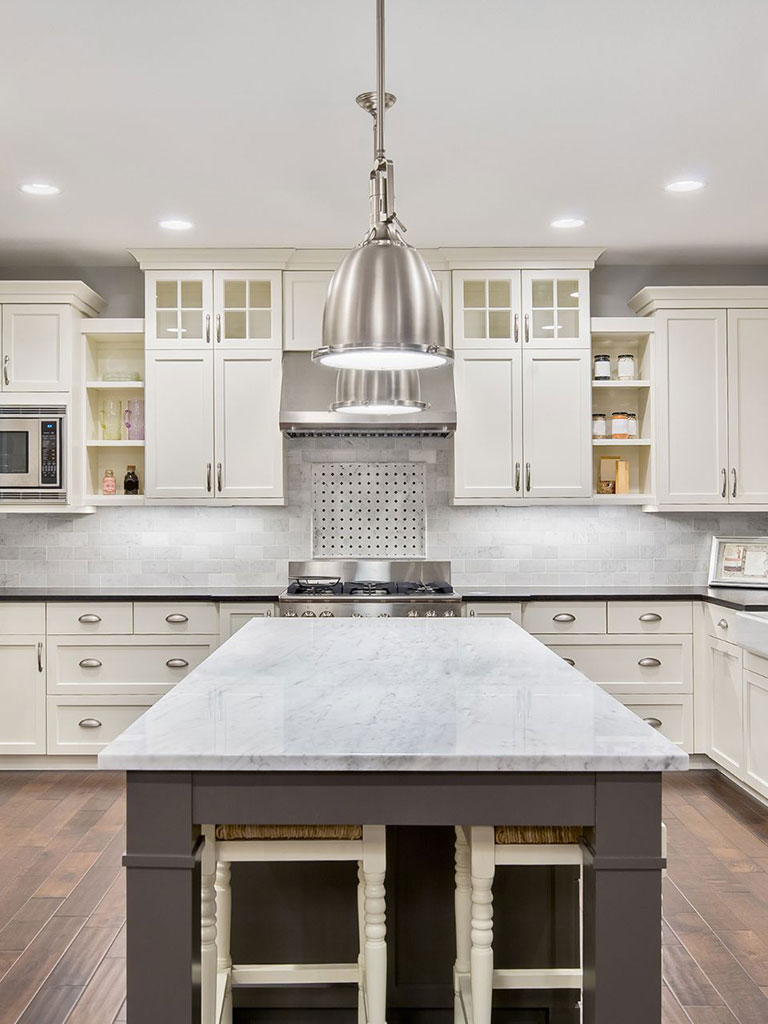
(729,597)
(140,594)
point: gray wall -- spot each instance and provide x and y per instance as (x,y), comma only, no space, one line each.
(122,287)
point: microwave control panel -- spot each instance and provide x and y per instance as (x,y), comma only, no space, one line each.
(49,453)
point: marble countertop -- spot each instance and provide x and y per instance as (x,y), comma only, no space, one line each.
(388,695)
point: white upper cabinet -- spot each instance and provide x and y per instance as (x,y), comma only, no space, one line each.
(248,442)
(178,309)
(555,307)
(486,309)
(747,406)
(304,295)
(692,376)
(488,445)
(247,309)
(556,424)
(36,347)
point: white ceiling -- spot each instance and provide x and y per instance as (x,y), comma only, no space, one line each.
(240,115)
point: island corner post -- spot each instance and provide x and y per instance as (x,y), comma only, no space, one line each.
(621,812)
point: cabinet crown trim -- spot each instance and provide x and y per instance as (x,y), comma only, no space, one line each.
(654,298)
(72,293)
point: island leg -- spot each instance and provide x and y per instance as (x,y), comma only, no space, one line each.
(622,902)
(163,900)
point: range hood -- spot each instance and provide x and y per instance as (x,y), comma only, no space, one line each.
(309,389)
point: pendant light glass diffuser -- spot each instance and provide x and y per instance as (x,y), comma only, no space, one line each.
(383,310)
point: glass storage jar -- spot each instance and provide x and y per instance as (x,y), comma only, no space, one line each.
(626,367)
(602,367)
(599,425)
(619,425)
(631,425)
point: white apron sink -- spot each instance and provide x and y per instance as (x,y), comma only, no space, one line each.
(750,631)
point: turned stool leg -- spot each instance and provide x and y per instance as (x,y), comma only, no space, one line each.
(361,934)
(223,932)
(208,929)
(481,953)
(374,863)
(463,915)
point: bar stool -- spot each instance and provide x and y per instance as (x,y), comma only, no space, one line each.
(478,850)
(225,844)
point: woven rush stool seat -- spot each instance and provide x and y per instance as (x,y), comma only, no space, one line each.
(306,832)
(546,835)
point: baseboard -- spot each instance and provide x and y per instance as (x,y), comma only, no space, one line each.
(48,762)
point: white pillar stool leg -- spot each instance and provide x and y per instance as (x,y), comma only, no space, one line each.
(223,934)
(361,1014)
(463,914)
(208,928)
(374,864)
(482,868)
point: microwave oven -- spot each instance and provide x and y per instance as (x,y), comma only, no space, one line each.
(32,452)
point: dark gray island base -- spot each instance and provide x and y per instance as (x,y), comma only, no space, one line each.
(622,873)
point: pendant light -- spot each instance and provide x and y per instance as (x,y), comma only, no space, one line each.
(383,310)
(378,392)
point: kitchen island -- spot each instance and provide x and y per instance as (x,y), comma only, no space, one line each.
(395,722)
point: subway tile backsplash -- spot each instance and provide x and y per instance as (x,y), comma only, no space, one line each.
(247,546)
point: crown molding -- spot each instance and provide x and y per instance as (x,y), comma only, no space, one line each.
(72,293)
(652,299)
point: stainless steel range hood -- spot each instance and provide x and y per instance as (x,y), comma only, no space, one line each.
(309,389)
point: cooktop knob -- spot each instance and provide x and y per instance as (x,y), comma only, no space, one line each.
(383,615)
(357,615)
(308,615)
(431,614)
(413,615)
(289,615)
(449,614)
(326,615)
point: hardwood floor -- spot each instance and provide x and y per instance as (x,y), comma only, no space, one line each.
(62,900)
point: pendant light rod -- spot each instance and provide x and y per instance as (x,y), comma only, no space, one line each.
(380,91)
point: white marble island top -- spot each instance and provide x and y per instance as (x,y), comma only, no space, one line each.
(388,695)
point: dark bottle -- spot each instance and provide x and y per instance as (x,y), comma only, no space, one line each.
(131,482)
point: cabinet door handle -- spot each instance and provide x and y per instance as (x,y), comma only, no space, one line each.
(517,328)
(90,663)
(517,476)
(177,663)
(724,488)
(177,617)
(218,476)
(649,663)
(6,364)
(733,489)
(208,477)
(563,617)
(528,476)
(570,661)
(89,617)
(723,623)
(208,328)
(218,328)
(655,723)
(527,332)
(40,657)
(89,723)
(650,617)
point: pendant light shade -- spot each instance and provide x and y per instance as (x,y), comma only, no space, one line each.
(378,392)
(383,310)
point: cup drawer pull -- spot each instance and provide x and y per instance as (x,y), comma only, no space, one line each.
(570,661)
(563,617)
(89,723)
(177,663)
(90,663)
(649,663)
(176,617)
(723,624)
(88,618)
(650,617)
(655,723)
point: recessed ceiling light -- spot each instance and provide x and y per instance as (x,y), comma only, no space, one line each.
(568,222)
(38,188)
(176,225)
(685,185)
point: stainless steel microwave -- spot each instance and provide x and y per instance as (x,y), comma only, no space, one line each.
(32,452)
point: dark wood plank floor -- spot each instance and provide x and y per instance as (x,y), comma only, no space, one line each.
(62,900)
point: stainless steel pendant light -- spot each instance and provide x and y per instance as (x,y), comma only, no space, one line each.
(378,392)
(383,310)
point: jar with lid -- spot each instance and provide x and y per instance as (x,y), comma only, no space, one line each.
(619,425)
(131,481)
(599,425)
(626,367)
(108,483)
(632,426)
(602,366)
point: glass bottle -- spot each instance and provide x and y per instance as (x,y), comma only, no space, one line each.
(109,484)
(131,481)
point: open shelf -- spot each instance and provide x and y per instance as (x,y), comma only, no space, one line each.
(613,385)
(114,444)
(115,385)
(115,499)
(620,442)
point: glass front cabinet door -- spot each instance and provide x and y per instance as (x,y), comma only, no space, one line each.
(178,309)
(486,309)
(556,308)
(247,308)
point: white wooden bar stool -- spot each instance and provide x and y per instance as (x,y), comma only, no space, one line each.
(274,843)
(478,850)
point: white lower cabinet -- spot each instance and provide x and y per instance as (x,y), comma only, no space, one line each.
(234,616)
(22,694)
(756,723)
(82,725)
(630,664)
(671,715)
(726,704)
(493,610)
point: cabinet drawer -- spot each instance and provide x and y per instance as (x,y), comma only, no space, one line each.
(650,616)
(493,610)
(564,617)
(77,725)
(663,665)
(719,621)
(176,617)
(19,617)
(235,616)
(90,617)
(123,665)
(672,716)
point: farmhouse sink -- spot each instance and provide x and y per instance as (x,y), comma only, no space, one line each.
(750,631)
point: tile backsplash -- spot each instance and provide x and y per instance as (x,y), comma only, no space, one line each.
(247,546)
